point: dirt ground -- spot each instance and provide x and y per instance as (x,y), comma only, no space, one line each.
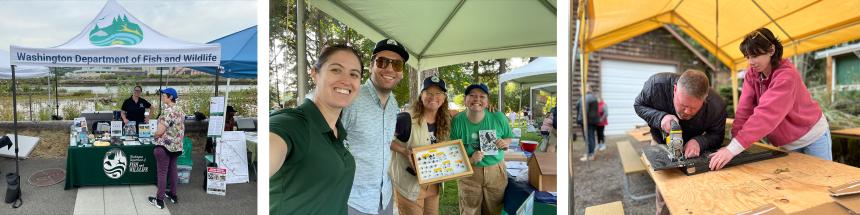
(601,181)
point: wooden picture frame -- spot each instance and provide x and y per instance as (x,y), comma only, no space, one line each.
(441,162)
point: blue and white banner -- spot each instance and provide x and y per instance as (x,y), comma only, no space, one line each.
(117,38)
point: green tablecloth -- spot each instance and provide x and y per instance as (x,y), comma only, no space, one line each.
(110,165)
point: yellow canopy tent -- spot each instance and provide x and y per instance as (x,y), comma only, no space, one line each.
(720,26)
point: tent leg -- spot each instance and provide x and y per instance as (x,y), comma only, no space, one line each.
(217,75)
(57,92)
(160,83)
(15,116)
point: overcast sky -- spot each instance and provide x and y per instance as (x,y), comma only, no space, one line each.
(48,23)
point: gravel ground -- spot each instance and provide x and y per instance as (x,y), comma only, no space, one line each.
(601,181)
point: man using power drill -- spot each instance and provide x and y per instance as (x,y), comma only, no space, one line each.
(688,100)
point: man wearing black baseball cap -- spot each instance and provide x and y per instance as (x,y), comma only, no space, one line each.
(370,122)
(483,192)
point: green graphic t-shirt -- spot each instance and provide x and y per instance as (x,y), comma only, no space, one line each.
(468,132)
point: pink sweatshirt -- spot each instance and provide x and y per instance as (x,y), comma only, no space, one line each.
(779,107)
(547,123)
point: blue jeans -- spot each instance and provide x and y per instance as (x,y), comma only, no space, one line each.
(821,148)
(590,139)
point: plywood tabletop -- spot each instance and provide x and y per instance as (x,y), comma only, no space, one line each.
(793,183)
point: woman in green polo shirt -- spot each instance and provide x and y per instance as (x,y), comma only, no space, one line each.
(310,170)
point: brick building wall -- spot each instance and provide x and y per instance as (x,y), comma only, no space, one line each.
(658,45)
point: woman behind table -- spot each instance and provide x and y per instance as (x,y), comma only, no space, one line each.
(427,123)
(168,141)
(310,170)
(775,104)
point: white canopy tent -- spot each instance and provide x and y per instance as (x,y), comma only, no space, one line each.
(117,38)
(540,74)
(114,38)
(539,71)
(441,33)
(25,72)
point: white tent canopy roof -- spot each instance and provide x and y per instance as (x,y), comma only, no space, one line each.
(116,38)
(539,71)
(22,72)
(551,87)
(440,33)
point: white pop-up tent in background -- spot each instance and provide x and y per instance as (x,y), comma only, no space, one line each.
(117,38)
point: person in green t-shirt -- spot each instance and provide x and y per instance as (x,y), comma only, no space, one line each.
(310,169)
(485,135)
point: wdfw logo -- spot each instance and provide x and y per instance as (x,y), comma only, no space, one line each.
(115,163)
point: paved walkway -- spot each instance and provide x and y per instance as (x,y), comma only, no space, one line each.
(125,199)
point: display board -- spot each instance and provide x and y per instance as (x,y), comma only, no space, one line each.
(232,154)
(115,128)
(441,162)
(216,116)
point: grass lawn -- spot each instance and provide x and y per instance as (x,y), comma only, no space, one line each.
(449,202)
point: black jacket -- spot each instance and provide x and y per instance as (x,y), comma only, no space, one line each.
(593,116)
(655,101)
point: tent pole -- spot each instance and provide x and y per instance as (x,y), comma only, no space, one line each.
(160,83)
(15,117)
(217,75)
(57,91)
(501,97)
(49,89)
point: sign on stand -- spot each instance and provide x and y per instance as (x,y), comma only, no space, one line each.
(216,116)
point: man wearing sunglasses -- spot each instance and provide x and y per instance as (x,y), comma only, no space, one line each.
(134,108)
(370,122)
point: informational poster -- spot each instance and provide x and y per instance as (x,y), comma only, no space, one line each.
(116,128)
(216,116)
(215,181)
(131,128)
(80,124)
(231,154)
(441,161)
(144,130)
(488,138)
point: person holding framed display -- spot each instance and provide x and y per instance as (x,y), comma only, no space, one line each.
(428,122)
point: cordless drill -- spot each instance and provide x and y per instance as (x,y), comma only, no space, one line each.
(675,142)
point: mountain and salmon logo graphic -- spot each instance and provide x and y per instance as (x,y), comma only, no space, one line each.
(119,32)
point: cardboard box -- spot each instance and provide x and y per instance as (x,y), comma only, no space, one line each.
(542,171)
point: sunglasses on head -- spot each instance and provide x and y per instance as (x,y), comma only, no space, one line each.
(383,62)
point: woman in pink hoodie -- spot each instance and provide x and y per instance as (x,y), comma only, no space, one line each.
(775,104)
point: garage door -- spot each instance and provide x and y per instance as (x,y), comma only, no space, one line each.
(621,82)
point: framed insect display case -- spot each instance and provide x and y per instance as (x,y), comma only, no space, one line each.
(441,162)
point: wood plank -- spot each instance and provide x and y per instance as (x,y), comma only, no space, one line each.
(608,208)
(805,185)
(849,132)
(629,158)
(642,134)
